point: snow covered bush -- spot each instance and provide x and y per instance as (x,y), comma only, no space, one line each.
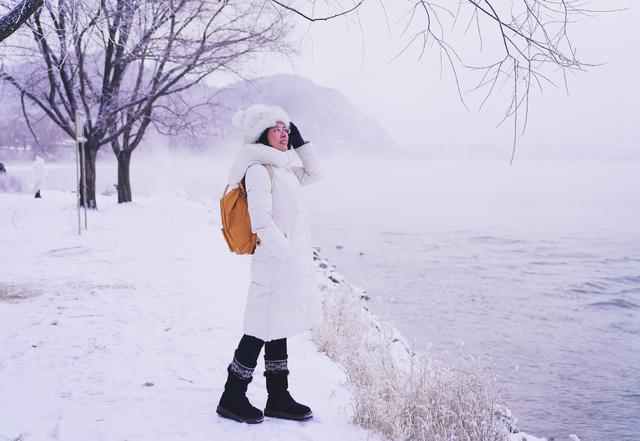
(401,394)
(10,184)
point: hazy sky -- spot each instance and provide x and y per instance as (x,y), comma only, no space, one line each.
(419,109)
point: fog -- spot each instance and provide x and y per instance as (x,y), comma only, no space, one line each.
(423,112)
(419,105)
(531,195)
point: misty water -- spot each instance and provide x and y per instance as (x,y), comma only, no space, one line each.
(534,269)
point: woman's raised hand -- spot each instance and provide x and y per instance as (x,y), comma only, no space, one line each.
(295,138)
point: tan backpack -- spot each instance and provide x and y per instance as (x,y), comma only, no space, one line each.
(236,224)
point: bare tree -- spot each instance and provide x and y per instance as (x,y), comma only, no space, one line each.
(118,61)
(17,14)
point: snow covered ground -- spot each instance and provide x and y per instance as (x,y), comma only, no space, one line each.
(126,331)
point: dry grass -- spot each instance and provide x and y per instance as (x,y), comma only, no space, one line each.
(14,293)
(403,395)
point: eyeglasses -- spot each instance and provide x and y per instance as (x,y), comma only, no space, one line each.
(279,130)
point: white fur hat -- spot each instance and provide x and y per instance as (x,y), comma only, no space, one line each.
(255,119)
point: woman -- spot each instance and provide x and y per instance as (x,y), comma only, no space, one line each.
(283,299)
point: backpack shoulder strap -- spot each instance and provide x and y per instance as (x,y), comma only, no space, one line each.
(270,171)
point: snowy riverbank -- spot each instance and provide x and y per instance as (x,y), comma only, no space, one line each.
(125,332)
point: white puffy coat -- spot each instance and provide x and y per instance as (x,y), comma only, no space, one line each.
(38,172)
(283,298)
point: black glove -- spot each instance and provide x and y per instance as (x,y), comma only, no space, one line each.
(295,138)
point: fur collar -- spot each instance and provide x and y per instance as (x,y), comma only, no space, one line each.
(250,154)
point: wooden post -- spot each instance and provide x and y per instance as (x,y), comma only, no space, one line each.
(81,146)
(78,172)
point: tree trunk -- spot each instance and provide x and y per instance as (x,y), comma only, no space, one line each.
(90,154)
(124,182)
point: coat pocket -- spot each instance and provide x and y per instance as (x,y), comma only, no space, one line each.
(261,274)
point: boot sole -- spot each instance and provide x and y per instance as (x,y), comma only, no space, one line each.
(287,416)
(232,416)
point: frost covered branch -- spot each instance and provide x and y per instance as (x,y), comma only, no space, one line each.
(311,17)
(12,20)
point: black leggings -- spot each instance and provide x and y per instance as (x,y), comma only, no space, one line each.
(249,350)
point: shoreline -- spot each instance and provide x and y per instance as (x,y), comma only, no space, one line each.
(384,337)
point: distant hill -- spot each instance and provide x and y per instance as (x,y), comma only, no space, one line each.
(324,115)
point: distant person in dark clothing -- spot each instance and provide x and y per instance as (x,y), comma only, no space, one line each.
(8,183)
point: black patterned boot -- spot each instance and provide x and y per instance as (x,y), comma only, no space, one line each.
(280,403)
(234,403)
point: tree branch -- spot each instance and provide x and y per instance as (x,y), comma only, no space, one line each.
(10,22)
